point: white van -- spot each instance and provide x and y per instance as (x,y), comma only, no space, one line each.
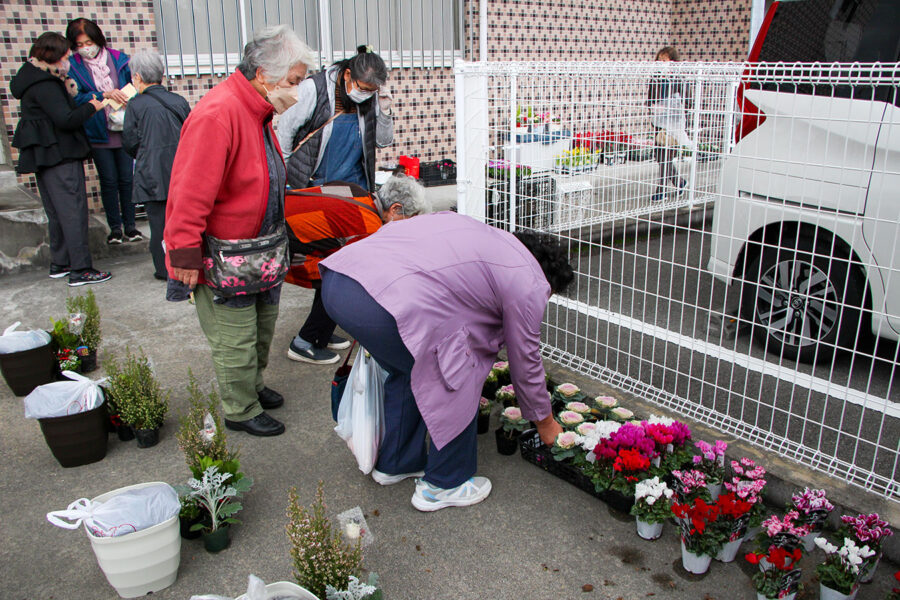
(809,219)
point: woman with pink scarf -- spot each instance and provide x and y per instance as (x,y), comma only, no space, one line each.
(101,73)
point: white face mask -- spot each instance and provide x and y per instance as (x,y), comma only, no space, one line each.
(89,51)
(358,95)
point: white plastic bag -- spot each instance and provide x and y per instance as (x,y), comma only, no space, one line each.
(122,514)
(19,341)
(256,590)
(62,398)
(361,414)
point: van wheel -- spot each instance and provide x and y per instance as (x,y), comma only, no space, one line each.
(803,301)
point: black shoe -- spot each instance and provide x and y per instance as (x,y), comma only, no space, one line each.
(114,237)
(269,398)
(58,272)
(658,197)
(261,425)
(133,235)
(681,185)
(160,277)
(88,276)
(303,351)
(338,343)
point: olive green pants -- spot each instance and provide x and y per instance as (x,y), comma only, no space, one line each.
(239,339)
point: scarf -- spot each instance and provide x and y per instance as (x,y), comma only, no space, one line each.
(71,86)
(99,68)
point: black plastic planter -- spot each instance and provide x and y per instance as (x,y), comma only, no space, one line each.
(78,439)
(28,369)
(217,540)
(506,446)
(147,438)
(125,433)
(484,423)
(185,525)
(89,362)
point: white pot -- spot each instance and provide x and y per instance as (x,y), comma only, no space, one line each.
(655,461)
(751,534)
(141,562)
(826,593)
(284,588)
(694,563)
(790,596)
(714,490)
(648,531)
(809,540)
(729,551)
(867,572)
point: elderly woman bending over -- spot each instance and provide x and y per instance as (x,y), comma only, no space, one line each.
(313,238)
(228,182)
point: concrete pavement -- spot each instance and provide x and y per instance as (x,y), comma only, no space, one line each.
(536,537)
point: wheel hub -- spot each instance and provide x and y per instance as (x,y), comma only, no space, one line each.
(797,301)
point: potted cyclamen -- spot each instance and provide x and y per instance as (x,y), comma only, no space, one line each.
(839,574)
(895,593)
(506,396)
(699,541)
(779,582)
(627,452)
(652,507)
(217,498)
(786,533)
(812,508)
(869,530)
(734,514)
(711,461)
(484,415)
(748,482)
(670,437)
(512,425)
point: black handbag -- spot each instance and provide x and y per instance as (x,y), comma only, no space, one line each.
(249,266)
(340,382)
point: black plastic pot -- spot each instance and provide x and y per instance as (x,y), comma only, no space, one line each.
(185,526)
(217,540)
(484,423)
(147,438)
(489,389)
(89,362)
(505,445)
(78,439)
(24,371)
(125,433)
(617,500)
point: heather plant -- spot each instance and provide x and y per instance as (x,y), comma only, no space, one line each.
(139,397)
(91,333)
(321,556)
(201,434)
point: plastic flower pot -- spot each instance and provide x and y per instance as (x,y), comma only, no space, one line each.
(729,551)
(761,596)
(284,589)
(24,371)
(184,527)
(125,433)
(218,540)
(78,439)
(506,446)
(617,500)
(809,540)
(697,564)
(142,562)
(648,531)
(484,423)
(868,568)
(714,490)
(488,389)
(88,362)
(147,438)
(826,593)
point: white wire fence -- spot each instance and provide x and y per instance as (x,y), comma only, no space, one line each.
(734,230)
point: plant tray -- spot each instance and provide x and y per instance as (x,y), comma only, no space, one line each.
(537,453)
(439,172)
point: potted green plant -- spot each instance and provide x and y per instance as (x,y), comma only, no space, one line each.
(485,406)
(217,496)
(321,555)
(66,342)
(839,574)
(490,385)
(506,395)
(512,424)
(188,516)
(139,397)
(91,334)
(652,507)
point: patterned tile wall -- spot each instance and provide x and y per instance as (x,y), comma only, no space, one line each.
(424,98)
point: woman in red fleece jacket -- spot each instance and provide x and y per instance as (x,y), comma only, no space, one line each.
(228,181)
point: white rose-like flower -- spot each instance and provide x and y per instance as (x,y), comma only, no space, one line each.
(579,407)
(567,389)
(606,402)
(570,417)
(566,439)
(586,429)
(622,412)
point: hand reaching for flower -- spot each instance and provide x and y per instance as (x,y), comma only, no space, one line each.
(548,429)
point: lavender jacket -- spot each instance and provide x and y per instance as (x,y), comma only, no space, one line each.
(459,291)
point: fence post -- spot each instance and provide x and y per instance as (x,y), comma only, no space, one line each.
(471,141)
(695,134)
(513,150)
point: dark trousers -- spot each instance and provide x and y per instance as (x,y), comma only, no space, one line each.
(319,327)
(665,156)
(156,216)
(65,202)
(116,171)
(403,449)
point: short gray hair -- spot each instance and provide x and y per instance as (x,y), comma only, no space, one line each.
(148,64)
(275,50)
(405,191)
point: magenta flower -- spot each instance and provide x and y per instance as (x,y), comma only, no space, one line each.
(809,500)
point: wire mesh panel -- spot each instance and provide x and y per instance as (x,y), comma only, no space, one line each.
(734,232)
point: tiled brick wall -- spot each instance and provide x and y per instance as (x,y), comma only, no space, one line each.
(424,98)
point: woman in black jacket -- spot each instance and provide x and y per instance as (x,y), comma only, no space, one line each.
(52,145)
(152,128)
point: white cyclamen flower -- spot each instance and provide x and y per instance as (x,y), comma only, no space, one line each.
(661,420)
(825,545)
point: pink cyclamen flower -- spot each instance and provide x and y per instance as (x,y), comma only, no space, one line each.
(809,500)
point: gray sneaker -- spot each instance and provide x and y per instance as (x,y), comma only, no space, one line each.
(302,351)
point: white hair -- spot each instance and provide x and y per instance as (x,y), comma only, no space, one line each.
(148,64)
(405,191)
(275,50)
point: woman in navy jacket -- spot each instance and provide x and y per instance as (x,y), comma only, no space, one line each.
(101,73)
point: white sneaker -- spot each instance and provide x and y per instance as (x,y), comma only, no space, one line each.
(385,479)
(428,498)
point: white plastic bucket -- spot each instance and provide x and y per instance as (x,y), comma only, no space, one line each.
(284,588)
(141,562)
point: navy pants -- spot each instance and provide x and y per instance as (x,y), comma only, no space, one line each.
(116,172)
(403,449)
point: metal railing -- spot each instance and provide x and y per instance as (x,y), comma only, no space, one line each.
(200,37)
(736,248)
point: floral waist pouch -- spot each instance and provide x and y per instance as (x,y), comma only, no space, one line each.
(249,266)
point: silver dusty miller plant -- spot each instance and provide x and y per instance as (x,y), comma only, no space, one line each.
(356,590)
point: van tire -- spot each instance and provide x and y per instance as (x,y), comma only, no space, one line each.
(805,301)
